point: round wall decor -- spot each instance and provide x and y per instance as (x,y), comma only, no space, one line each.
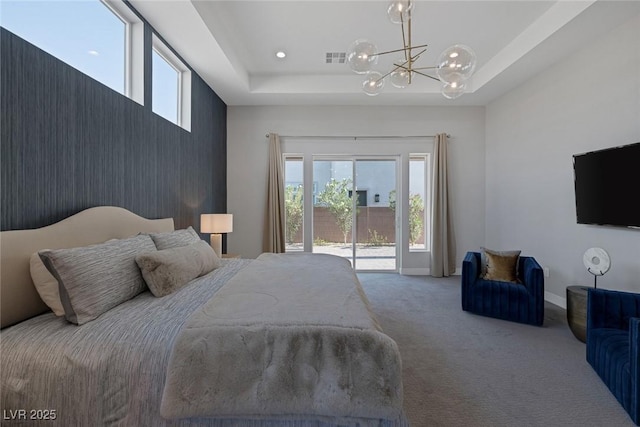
(597,262)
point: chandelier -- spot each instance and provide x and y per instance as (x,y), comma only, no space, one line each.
(454,66)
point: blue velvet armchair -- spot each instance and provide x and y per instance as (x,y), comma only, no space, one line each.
(518,302)
(613,344)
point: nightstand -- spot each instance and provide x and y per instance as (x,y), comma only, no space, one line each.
(577,311)
(227,256)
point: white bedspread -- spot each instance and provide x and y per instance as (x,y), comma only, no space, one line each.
(288,336)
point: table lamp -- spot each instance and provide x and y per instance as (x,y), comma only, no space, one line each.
(216,224)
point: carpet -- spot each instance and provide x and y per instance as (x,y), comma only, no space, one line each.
(461,369)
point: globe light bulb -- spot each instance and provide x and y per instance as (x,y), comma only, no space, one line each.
(453,90)
(373,84)
(399,11)
(454,62)
(362,56)
(400,78)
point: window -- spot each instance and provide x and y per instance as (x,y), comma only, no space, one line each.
(166,88)
(171,86)
(294,203)
(418,197)
(100,39)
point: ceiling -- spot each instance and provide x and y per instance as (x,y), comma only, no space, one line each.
(232,44)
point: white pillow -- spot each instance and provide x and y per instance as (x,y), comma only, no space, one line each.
(46,284)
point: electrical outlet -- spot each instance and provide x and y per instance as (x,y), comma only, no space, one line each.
(546,271)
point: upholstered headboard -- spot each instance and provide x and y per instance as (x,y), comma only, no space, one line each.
(19,299)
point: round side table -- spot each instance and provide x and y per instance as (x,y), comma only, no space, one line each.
(577,311)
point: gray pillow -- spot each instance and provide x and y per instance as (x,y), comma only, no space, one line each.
(94,279)
(168,270)
(174,239)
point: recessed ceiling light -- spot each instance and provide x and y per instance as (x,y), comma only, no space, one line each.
(280,54)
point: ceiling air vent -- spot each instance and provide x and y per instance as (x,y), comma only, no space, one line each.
(336,57)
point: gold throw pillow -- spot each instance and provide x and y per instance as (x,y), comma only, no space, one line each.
(502,267)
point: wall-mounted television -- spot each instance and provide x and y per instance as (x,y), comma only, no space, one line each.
(607,186)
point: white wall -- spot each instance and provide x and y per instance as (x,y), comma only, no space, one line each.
(247,157)
(589,101)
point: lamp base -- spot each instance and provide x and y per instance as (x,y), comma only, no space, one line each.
(216,244)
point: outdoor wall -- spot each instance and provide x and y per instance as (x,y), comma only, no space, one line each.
(247,155)
(373,224)
(578,105)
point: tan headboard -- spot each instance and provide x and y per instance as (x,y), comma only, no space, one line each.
(19,299)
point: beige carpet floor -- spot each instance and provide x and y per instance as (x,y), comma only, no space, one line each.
(460,369)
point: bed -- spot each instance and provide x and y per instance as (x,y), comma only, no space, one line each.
(283,340)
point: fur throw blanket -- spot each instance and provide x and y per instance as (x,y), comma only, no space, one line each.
(291,335)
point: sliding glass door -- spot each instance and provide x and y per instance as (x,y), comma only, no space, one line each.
(375,237)
(354,212)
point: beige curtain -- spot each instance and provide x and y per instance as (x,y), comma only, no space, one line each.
(443,245)
(274,226)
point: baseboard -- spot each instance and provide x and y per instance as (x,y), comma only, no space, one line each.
(548,296)
(423,271)
(555,299)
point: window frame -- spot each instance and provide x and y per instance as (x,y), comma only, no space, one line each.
(133,49)
(184,81)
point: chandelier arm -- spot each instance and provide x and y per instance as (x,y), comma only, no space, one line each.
(398,67)
(404,41)
(401,50)
(382,77)
(403,66)
(412,70)
(409,37)
(416,56)
(426,68)
(409,67)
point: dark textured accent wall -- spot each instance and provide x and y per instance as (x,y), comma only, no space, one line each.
(70,143)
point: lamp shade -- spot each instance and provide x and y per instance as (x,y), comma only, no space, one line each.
(216,223)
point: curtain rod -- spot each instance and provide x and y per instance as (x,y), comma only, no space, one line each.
(355,138)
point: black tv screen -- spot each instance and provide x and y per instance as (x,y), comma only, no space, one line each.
(607,184)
